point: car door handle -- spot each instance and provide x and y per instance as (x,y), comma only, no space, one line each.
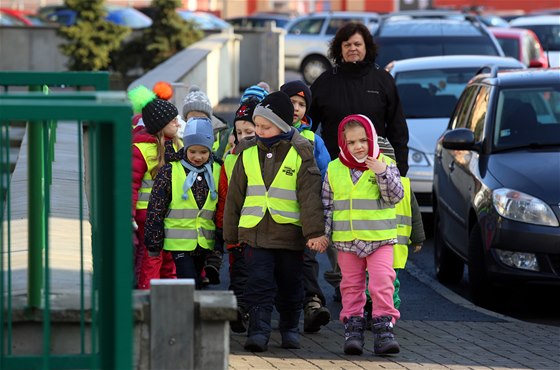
(451,166)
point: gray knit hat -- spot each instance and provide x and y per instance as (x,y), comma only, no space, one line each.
(196,100)
(278,109)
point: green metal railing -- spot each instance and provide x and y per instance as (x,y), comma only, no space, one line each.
(110,317)
(41,167)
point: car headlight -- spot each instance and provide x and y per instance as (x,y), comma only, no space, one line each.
(522,207)
(417,158)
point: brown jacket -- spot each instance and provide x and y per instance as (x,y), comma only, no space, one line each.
(269,234)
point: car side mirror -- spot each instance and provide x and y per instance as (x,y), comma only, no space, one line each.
(459,139)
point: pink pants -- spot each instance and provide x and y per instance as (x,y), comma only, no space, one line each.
(379,264)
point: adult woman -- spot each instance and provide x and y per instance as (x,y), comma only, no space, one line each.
(356,85)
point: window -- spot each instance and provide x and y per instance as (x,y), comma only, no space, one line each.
(463,109)
(476,120)
(307,27)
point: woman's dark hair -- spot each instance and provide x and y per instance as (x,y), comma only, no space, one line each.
(344,33)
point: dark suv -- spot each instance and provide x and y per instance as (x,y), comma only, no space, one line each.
(431,33)
(496,195)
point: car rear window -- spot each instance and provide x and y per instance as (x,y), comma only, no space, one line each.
(510,47)
(396,48)
(428,28)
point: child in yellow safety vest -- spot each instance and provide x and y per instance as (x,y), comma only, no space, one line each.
(181,210)
(410,231)
(273,207)
(153,144)
(243,128)
(359,194)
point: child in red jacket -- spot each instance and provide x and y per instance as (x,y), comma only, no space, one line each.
(152,146)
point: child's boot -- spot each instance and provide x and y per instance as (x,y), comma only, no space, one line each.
(289,329)
(212,266)
(315,315)
(354,335)
(258,332)
(384,342)
(240,325)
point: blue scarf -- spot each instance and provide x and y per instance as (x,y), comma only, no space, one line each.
(273,140)
(192,175)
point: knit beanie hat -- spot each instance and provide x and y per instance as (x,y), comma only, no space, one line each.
(278,109)
(245,110)
(373,151)
(196,100)
(156,113)
(298,88)
(199,131)
(254,91)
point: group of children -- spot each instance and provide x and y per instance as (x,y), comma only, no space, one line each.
(275,199)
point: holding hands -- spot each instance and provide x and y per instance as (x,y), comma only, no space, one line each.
(375,165)
(318,244)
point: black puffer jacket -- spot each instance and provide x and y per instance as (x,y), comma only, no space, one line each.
(269,234)
(359,88)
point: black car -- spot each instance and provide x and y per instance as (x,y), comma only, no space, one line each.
(497,183)
(413,34)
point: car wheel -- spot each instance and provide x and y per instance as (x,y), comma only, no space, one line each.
(479,285)
(312,67)
(449,266)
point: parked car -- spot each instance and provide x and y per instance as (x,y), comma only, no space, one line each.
(124,16)
(307,40)
(204,20)
(259,20)
(547,28)
(521,44)
(497,183)
(416,34)
(14,17)
(429,88)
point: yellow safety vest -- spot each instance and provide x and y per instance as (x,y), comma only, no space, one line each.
(308,134)
(359,211)
(229,163)
(404,226)
(185,225)
(149,152)
(280,198)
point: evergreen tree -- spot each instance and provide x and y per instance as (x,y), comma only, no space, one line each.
(91,39)
(169,33)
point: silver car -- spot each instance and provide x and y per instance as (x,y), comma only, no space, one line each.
(307,40)
(429,88)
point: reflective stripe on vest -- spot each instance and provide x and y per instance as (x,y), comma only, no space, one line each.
(149,152)
(359,211)
(404,226)
(185,225)
(280,199)
(229,163)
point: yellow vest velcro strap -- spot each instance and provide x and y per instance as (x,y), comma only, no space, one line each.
(282,194)
(284,213)
(143,196)
(364,225)
(254,190)
(360,204)
(147,183)
(182,213)
(256,211)
(180,234)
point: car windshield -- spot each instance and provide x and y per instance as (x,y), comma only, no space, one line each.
(432,93)
(396,48)
(510,47)
(527,117)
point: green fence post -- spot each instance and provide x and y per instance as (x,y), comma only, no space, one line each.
(36,211)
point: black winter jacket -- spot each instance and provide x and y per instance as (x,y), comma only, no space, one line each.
(359,88)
